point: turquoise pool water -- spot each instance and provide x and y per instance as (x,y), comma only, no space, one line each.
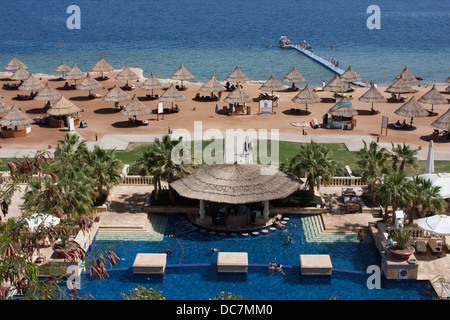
(191,272)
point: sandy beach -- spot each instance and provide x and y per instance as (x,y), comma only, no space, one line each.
(102,118)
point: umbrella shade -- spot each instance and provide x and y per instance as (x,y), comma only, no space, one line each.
(47,94)
(433,97)
(20,74)
(182,74)
(306,96)
(400,86)
(447,89)
(15,64)
(101,66)
(3,106)
(238,96)
(441,180)
(135,108)
(127,74)
(152,83)
(443,122)
(75,74)
(38,219)
(62,107)
(212,85)
(342,111)
(62,68)
(411,109)
(31,84)
(172,95)
(372,95)
(293,76)
(235,184)
(16,117)
(439,224)
(350,75)
(429,166)
(336,85)
(406,75)
(115,94)
(89,83)
(447,80)
(272,85)
(237,76)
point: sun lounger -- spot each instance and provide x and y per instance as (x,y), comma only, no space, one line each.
(421,246)
(434,246)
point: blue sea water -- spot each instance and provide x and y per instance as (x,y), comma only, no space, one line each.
(211,36)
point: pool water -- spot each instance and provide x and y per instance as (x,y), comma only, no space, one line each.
(191,271)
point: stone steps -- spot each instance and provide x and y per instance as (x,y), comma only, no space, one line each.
(312,228)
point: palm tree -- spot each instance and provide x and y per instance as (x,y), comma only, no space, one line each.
(373,162)
(316,161)
(404,155)
(394,191)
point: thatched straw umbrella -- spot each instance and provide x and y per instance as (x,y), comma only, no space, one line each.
(272,84)
(20,74)
(336,85)
(235,184)
(172,95)
(63,68)
(350,75)
(212,85)
(433,97)
(406,75)
(15,64)
(342,111)
(151,83)
(135,108)
(447,80)
(3,106)
(75,74)
(237,76)
(238,96)
(116,95)
(16,118)
(127,74)
(411,109)
(447,89)
(373,95)
(400,86)
(306,96)
(182,74)
(443,121)
(102,66)
(293,76)
(89,83)
(31,84)
(59,109)
(47,94)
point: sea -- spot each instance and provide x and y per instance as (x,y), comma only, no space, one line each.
(213,37)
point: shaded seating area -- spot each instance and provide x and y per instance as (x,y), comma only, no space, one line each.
(8,86)
(402,126)
(128,87)
(27,96)
(431,113)
(267,96)
(211,97)
(350,200)
(437,132)
(136,122)
(396,98)
(68,86)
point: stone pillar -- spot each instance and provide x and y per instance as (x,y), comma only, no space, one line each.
(202,209)
(266,210)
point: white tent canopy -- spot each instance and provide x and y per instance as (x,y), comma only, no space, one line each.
(39,218)
(439,224)
(439,179)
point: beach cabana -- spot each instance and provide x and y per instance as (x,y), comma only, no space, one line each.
(89,83)
(337,86)
(411,109)
(294,77)
(134,109)
(127,74)
(433,97)
(398,87)
(235,191)
(63,68)
(15,124)
(116,95)
(212,85)
(350,76)
(152,83)
(306,96)
(74,74)
(237,76)
(60,112)
(30,84)
(181,74)
(101,66)
(15,64)
(342,116)
(443,122)
(238,99)
(172,95)
(373,96)
(272,84)
(20,74)
(47,94)
(407,76)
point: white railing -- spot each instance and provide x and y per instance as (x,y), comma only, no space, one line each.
(345,181)
(137,180)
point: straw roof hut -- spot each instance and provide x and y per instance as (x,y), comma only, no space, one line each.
(447,89)
(293,76)
(350,75)
(433,97)
(442,122)
(212,85)
(182,74)
(115,94)
(336,85)
(135,108)
(235,184)
(447,80)
(272,85)
(63,107)
(15,117)
(3,106)
(31,84)
(172,95)
(151,83)
(75,74)
(101,66)
(15,64)
(400,86)
(127,74)
(373,95)
(238,96)
(62,68)
(411,109)
(406,75)
(47,94)
(20,74)
(89,83)
(237,76)
(342,111)
(306,96)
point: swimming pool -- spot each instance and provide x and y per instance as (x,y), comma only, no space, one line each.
(191,272)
